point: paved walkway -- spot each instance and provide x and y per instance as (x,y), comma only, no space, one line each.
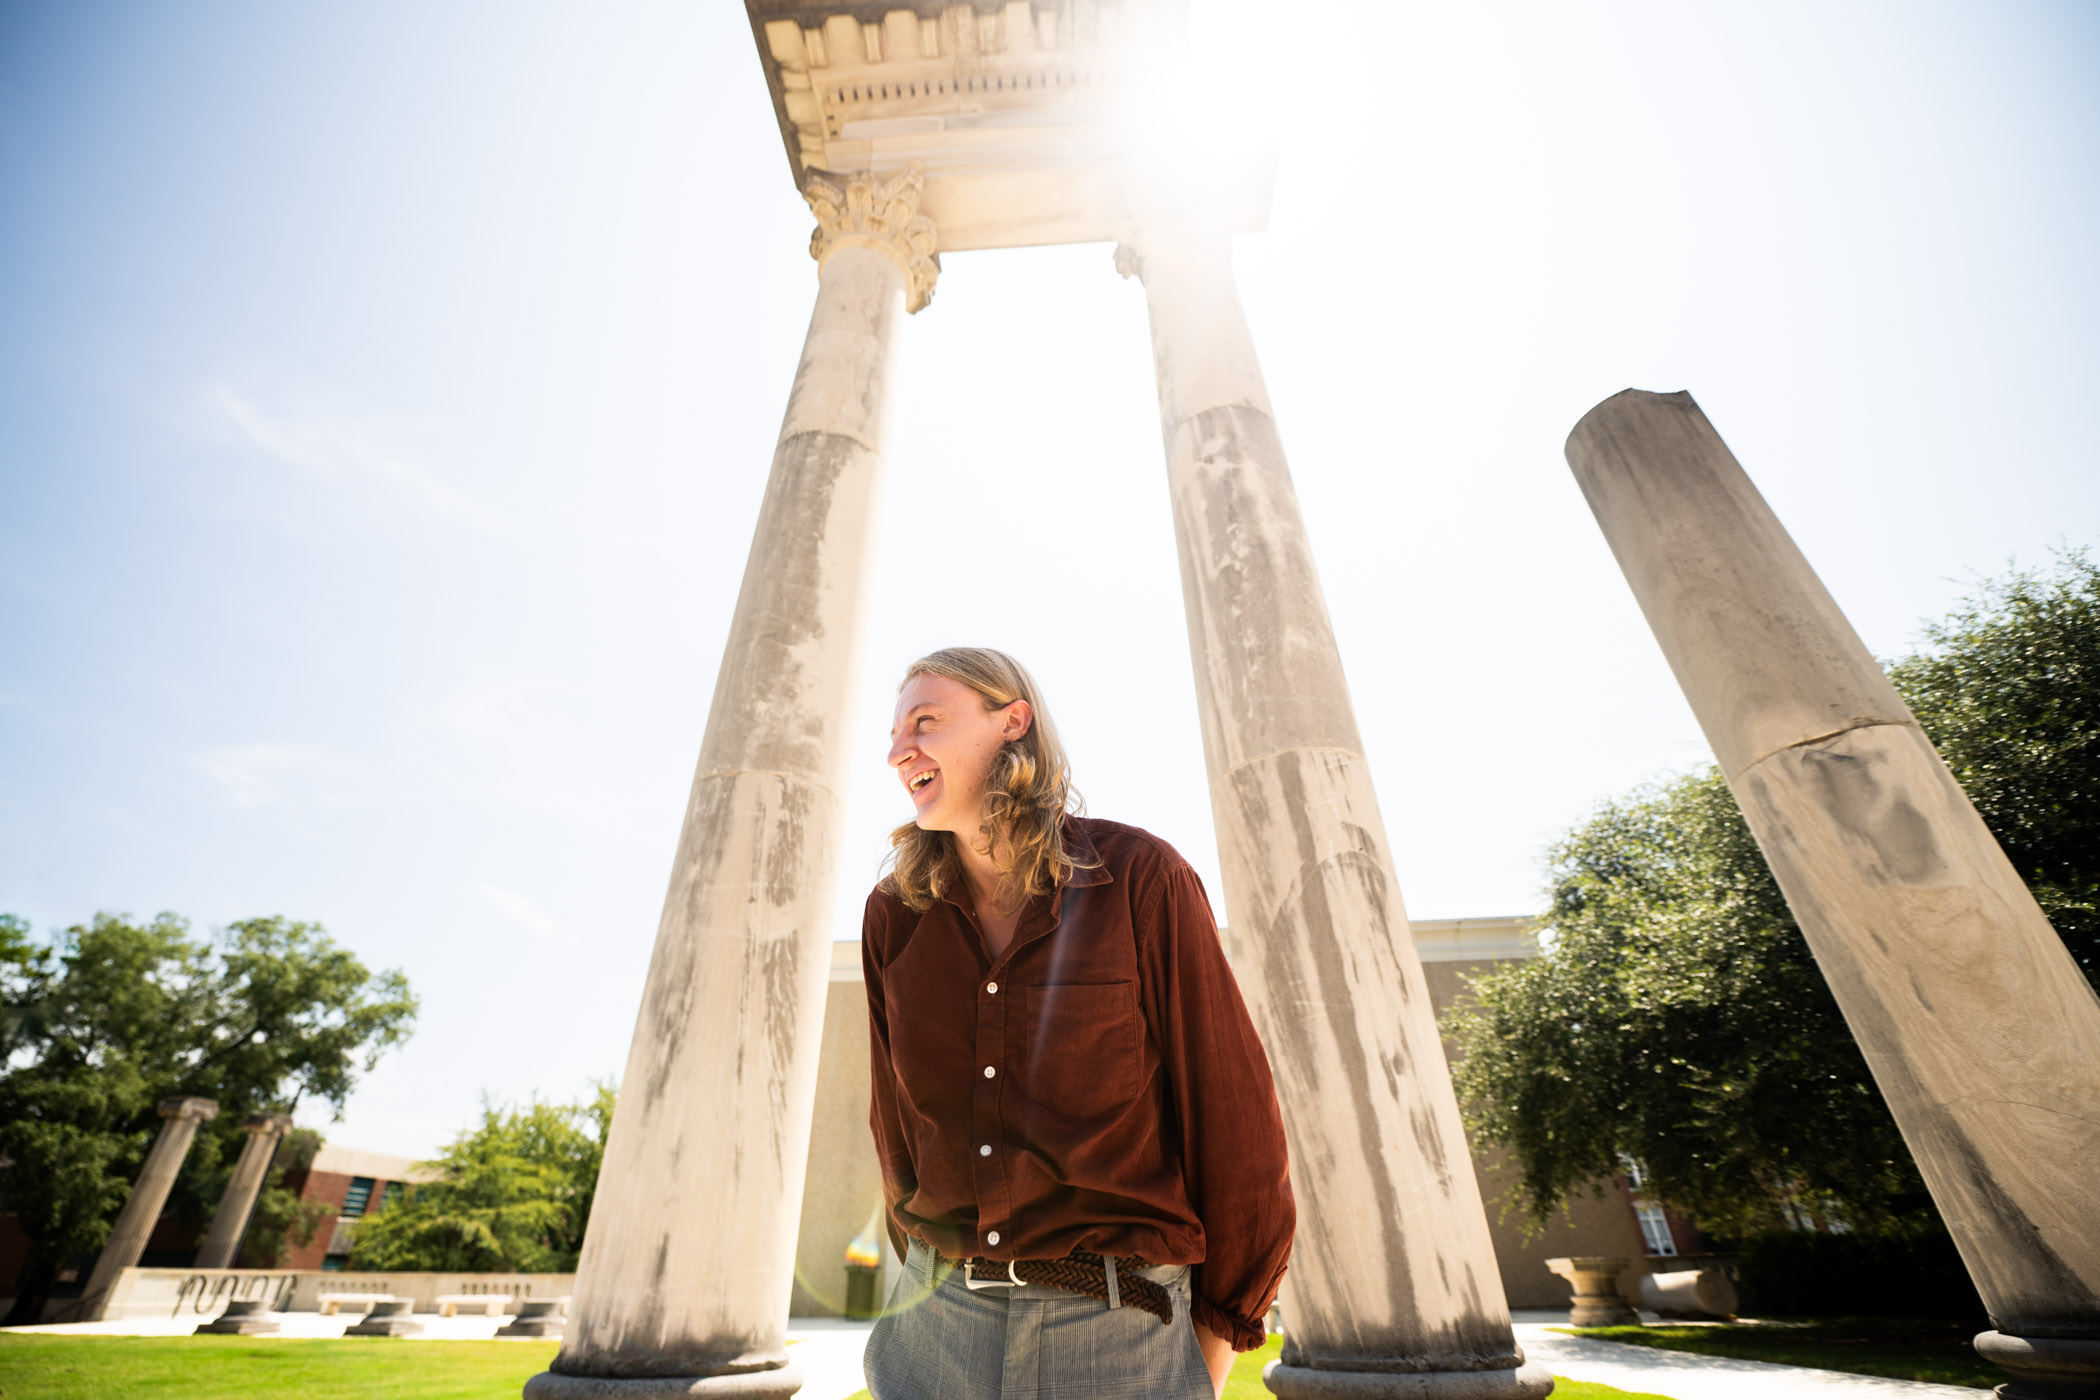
(1682,1376)
(828,1351)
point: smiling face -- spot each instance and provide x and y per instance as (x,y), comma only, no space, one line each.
(942,744)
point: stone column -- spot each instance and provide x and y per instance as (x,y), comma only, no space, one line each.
(1393,1287)
(127,1238)
(230,1221)
(688,1257)
(1977,1024)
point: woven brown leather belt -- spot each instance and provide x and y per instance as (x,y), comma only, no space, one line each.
(1082,1273)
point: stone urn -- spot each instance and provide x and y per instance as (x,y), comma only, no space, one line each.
(536,1318)
(245,1317)
(393,1318)
(1598,1302)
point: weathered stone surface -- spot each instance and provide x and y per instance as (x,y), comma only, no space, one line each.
(1301,1383)
(244,1318)
(1977,1024)
(127,1238)
(1597,1301)
(230,1221)
(775,1383)
(1393,1274)
(1694,1293)
(393,1318)
(536,1318)
(2044,1368)
(689,1253)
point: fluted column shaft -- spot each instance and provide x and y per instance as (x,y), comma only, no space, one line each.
(230,1221)
(1977,1024)
(1393,1287)
(687,1261)
(149,1196)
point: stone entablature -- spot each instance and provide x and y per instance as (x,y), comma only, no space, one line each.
(1027,119)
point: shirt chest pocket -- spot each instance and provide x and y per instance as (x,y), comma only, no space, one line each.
(1085,1045)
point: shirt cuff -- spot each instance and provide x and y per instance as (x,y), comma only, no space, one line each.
(1244,1335)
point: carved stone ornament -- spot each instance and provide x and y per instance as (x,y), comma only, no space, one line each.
(881,211)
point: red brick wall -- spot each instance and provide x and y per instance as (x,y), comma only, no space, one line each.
(332,1187)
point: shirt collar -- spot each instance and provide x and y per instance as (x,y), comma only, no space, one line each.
(1087,861)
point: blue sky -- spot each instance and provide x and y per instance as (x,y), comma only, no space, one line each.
(386,392)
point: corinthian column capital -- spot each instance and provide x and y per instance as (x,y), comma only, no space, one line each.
(879,211)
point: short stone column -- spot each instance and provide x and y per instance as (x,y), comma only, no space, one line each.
(1979,1028)
(1594,1282)
(230,1221)
(1393,1287)
(683,1286)
(149,1195)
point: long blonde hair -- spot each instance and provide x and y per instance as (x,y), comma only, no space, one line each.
(1026,795)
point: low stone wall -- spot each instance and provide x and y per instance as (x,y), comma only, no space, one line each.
(204,1293)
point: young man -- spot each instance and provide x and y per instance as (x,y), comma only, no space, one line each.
(1080,1144)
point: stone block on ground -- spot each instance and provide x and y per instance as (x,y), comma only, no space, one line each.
(246,1317)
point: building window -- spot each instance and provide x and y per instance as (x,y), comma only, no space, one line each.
(1655,1230)
(392,1193)
(334,1263)
(360,1196)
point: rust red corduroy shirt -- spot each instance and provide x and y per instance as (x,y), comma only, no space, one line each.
(1099,1086)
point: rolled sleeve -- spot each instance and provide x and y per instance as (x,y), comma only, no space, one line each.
(1234,1161)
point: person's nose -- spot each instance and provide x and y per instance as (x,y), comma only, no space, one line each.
(902,751)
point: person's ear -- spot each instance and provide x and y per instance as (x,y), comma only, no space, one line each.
(1020,717)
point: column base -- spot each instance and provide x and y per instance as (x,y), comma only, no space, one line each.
(2044,1368)
(777,1383)
(1305,1383)
(245,1318)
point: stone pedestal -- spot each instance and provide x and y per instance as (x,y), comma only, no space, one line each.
(541,1318)
(1595,1281)
(230,1221)
(1393,1287)
(249,1317)
(684,1280)
(1978,1026)
(2044,1368)
(393,1318)
(149,1195)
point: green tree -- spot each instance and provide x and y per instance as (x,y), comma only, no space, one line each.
(1677,1018)
(512,1194)
(280,1219)
(113,1016)
(2009,689)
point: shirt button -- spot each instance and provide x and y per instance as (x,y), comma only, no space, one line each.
(985,1151)
(992,987)
(992,1238)
(990,1073)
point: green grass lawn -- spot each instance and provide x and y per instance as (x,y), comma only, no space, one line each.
(1901,1349)
(367,1368)
(241,1368)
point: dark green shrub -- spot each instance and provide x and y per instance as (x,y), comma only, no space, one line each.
(1910,1273)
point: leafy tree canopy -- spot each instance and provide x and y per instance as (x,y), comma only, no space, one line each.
(512,1194)
(1677,1017)
(113,1016)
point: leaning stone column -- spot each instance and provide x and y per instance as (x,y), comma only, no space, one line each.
(230,1221)
(689,1254)
(1393,1288)
(1977,1024)
(127,1238)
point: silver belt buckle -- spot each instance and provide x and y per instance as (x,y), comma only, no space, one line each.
(970,1279)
